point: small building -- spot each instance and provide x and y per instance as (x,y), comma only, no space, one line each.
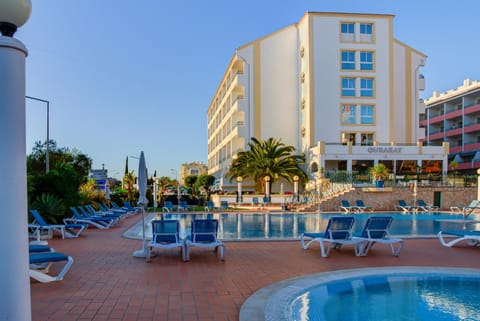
(194,168)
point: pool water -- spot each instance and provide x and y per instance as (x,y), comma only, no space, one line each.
(266,226)
(398,296)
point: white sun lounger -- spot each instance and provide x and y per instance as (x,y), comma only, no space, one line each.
(473,237)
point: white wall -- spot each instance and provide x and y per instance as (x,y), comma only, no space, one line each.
(279,78)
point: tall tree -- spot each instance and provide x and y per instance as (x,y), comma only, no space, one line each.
(205,182)
(190,181)
(270,158)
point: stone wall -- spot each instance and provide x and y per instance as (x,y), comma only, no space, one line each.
(387,198)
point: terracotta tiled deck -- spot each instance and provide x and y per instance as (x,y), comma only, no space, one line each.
(107,283)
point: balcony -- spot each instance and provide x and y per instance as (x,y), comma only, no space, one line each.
(238,66)
(465,148)
(238,92)
(472,146)
(472,109)
(471,128)
(436,119)
(454,114)
(436,136)
(467,165)
(421,82)
(453,132)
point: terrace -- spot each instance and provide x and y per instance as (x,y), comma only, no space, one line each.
(107,283)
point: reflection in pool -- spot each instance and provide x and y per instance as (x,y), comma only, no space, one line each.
(270,226)
(403,295)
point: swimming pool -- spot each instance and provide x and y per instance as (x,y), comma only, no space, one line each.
(452,294)
(399,293)
(288,226)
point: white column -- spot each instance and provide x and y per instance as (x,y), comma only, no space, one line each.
(239,190)
(267,187)
(14,267)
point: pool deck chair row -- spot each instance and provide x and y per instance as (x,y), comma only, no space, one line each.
(339,232)
(472,237)
(66,230)
(166,235)
(359,207)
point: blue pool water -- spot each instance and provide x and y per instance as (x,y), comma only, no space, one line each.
(393,296)
(264,226)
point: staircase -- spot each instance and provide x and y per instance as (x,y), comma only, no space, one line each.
(329,202)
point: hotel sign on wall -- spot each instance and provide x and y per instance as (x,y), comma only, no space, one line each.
(384,150)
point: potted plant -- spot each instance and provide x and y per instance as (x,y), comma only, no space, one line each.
(379,173)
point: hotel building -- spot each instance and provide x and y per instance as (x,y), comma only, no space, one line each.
(454,117)
(337,86)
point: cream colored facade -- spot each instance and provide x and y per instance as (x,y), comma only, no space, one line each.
(331,78)
(193,168)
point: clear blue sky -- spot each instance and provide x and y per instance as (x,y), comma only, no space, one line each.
(125,76)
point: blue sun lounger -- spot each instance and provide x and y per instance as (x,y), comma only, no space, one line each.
(404,207)
(165,235)
(362,207)
(40,264)
(66,230)
(204,235)
(376,231)
(345,206)
(337,233)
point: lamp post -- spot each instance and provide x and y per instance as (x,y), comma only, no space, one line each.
(295,187)
(178,189)
(14,271)
(47,163)
(155,192)
(239,189)
(267,188)
(478,184)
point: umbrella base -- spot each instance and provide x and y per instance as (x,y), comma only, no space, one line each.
(140,253)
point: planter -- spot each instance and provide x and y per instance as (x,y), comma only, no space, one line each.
(379,184)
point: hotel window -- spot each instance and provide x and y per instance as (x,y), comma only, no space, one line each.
(366,60)
(367,114)
(366,32)
(366,139)
(366,87)
(348,137)
(348,60)
(347,30)
(366,28)
(348,114)
(348,86)
(348,27)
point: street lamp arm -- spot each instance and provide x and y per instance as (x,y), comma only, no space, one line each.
(47,160)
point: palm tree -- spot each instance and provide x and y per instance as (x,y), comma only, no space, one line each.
(269,158)
(380,172)
(128,181)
